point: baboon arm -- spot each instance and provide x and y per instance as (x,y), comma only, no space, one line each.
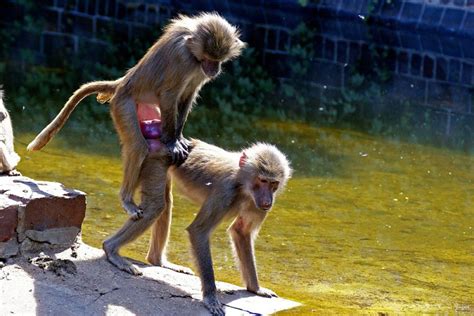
(183,112)
(169,115)
(169,121)
(211,214)
(242,231)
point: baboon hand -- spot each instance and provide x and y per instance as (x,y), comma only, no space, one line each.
(136,215)
(185,143)
(261,291)
(132,210)
(213,305)
(178,152)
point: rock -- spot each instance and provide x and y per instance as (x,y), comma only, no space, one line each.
(57,236)
(61,267)
(8,218)
(38,215)
(9,248)
(90,285)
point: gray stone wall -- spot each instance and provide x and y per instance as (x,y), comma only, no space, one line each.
(429,44)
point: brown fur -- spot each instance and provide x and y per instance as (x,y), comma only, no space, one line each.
(213,178)
(170,74)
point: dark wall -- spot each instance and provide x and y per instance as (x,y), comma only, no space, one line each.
(428,45)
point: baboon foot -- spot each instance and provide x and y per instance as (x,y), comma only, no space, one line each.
(264,292)
(177,268)
(13,173)
(151,258)
(213,305)
(119,261)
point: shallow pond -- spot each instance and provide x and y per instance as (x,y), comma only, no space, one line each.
(366,225)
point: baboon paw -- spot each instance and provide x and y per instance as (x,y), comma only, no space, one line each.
(13,173)
(136,215)
(133,269)
(177,268)
(178,153)
(133,211)
(264,292)
(214,306)
(185,270)
(119,261)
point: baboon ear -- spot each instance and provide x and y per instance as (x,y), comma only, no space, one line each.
(243,159)
(193,46)
(241,44)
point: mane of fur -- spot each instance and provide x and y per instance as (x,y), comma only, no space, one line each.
(266,160)
(213,35)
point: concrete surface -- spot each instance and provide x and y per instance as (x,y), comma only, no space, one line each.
(95,287)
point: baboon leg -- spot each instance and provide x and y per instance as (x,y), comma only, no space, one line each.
(153,187)
(134,149)
(160,232)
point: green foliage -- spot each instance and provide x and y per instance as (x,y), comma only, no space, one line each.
(232,109)
(301,55)
(234,102)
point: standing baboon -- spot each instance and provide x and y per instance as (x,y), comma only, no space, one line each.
(9,159)
(226,184)
(167,79)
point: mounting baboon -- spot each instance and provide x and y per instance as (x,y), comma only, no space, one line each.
(167,79)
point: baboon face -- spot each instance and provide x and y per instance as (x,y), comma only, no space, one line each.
(263,191)
(214,42)
(211,68)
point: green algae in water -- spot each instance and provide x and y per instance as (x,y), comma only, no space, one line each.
(366,225)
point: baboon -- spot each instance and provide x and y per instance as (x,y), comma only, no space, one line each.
(167,79)
(9,159)
(226,184)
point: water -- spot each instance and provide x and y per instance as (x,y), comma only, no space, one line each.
(366,224)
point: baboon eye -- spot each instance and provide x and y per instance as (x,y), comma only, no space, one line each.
(263,180)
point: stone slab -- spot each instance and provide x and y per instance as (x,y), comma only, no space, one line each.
(8,222)
(98,288)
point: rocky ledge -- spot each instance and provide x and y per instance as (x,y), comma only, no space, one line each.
(38,215)
(82,282)
(46,270)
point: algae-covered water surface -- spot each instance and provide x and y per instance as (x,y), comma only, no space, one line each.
(365,225)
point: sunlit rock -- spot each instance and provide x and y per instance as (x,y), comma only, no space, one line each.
(38,215)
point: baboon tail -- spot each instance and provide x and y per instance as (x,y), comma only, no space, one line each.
(105,87)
